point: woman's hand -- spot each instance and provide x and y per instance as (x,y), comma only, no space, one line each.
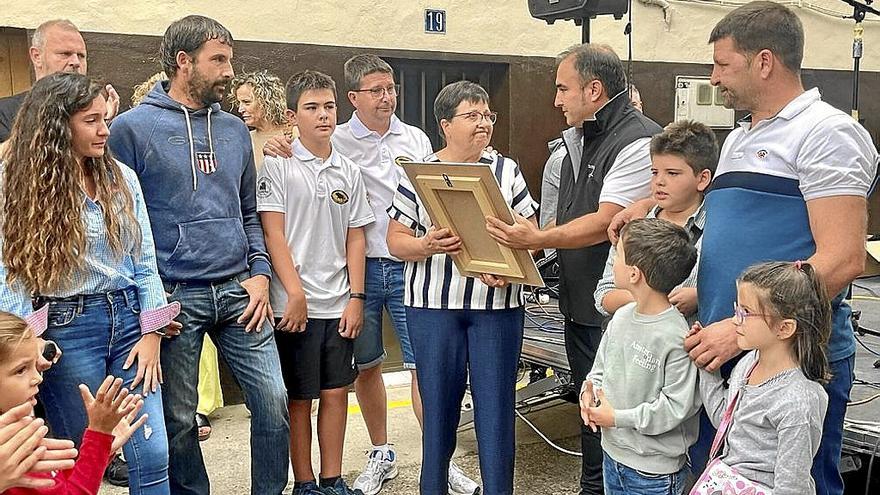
(149,369)
(496,281)
(440,241)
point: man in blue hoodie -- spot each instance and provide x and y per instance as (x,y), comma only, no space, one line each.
(197,172)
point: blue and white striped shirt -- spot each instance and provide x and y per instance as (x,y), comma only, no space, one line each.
(103,270)
(436,283)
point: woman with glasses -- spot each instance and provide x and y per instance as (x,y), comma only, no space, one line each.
(460,324)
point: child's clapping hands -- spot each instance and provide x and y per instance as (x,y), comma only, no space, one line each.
(112,410)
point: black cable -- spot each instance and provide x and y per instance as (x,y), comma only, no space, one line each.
(865,383)
(872,351)
(541,326)
(864,287)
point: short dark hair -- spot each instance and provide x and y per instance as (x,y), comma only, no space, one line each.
(661,250)
(359,66)
(451,96)
(189,35)
(692,141)
(304,81)
(764,25)
(597,61)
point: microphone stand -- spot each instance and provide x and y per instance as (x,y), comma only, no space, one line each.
(859,11)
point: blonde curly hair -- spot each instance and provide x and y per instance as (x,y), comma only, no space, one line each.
(268,93)
(142,89)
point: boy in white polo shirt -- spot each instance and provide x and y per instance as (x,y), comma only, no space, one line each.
(314,209)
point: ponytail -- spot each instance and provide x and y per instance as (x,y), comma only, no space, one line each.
(795,291)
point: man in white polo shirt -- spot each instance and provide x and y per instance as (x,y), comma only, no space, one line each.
(374,138)
(791,184)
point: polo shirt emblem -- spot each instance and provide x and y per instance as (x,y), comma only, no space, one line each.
(762,153)
(263,186)
(339,197)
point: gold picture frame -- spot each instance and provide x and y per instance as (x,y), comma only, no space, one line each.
(459,196)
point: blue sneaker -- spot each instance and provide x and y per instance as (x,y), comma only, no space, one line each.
(307,488)
(340,488)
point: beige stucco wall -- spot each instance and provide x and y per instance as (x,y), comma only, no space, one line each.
(501,27)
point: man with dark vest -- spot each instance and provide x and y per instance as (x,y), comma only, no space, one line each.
(607,167)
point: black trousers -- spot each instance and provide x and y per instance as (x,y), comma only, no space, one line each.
(581,343)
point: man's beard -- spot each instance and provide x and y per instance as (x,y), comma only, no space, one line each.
(206,92)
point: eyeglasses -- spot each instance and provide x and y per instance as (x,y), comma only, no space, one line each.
(380,92)
(476,117)
(740,314)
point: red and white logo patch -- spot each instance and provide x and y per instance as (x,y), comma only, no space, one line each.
(206,161)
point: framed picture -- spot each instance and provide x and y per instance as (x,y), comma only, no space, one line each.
(459,196)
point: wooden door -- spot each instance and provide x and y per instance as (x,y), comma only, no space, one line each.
(15,69)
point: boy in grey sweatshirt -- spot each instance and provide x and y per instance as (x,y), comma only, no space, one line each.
(642,389)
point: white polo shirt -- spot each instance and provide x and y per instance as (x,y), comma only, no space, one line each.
(375,156)
(321,200)
(823,149)
(756,207)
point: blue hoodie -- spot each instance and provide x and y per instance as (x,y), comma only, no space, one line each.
(203,212)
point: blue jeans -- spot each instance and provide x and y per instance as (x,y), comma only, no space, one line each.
(96,333)
(826,470)
(253,359)
(448,344)
(624,480)
(384,289)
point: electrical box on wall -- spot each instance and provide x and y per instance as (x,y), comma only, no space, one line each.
(696,99)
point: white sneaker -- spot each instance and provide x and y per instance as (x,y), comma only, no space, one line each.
(379,469)
(459,483)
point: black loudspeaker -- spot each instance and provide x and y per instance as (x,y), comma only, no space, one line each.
(554,10)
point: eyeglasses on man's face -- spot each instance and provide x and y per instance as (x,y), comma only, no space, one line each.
(475,117)
(379,92)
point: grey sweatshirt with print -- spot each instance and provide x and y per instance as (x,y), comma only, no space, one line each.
(652,384)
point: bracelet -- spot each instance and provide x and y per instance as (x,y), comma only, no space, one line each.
(358,295)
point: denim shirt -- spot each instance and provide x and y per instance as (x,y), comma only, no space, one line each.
(102,270)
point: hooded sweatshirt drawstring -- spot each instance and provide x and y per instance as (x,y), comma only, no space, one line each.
(205,228)
(192,146)
(192,149)
(210,139)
